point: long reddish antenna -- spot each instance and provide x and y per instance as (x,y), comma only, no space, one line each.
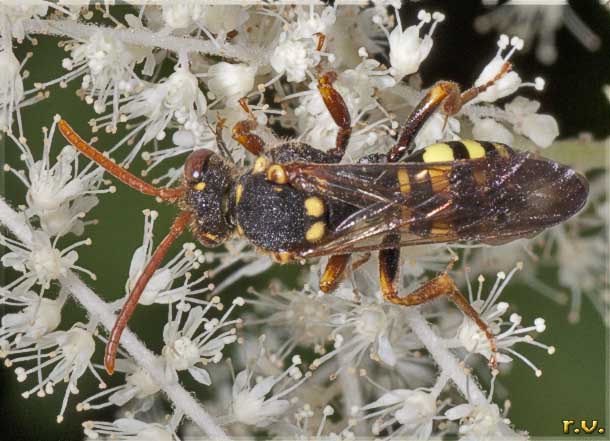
(132,301)
(114,169)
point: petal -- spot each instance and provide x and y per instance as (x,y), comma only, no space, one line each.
(200,375)
(385,350)
(122,396)
(241,383)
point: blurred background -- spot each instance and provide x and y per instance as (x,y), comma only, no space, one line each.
(574,384)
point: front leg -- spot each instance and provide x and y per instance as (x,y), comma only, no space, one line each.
(242,132)
(441,285)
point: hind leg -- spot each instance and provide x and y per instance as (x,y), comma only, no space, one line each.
(443,92)
(441,285)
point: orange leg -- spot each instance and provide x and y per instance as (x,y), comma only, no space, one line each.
(170,194)
(335,270)
(442,92)
(439,286)
(338,110)
(333,273)
(132,301)
(242,132)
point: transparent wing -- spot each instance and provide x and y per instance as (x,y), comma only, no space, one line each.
(487,200)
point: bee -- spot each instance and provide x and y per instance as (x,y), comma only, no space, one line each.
(297,202)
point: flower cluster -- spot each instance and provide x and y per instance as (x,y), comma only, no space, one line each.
(168,79)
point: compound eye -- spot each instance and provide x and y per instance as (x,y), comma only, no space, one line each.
(195,164)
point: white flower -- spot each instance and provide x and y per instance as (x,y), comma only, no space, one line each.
(506,85)
(231,81)
(107,67)
(478,422)
(40,262)
(294,57)
(12,95)
(407,49)
(221,19)
(584,275)
(37,318)
(413,410)
(542,129)
(185,349)
(362,327)
(59,194)
(250,405)
(159,288)
(310,23)
(138,385)
(178,99)
(12,16)
(305,427)
(506,333)
(69,351)
(439,127)
(539,24)
(181,15)
(487,129)
(129,429)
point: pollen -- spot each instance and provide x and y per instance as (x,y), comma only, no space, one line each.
(314,206)
(200,186)
(315,232)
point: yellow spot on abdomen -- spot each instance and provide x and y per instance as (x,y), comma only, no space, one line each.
(314,206)
(475,149)
(238,192)
(438,153)
(440,229)
(315,232)
(403,181)
(200,186)
(501,149)
(439,177)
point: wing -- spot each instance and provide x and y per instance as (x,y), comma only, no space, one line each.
(487,200)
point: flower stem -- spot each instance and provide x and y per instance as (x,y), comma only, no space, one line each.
(449,364)
(100,310)
(141,37)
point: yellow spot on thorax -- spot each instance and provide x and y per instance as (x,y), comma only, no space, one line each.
(475,149)
(314,206)
(260,165)
(200,186)
(238,192)
(438,153)
(315,232)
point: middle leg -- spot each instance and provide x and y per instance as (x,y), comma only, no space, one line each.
(338,110)
(334,272)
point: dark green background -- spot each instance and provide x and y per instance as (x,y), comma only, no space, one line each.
(574,382)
